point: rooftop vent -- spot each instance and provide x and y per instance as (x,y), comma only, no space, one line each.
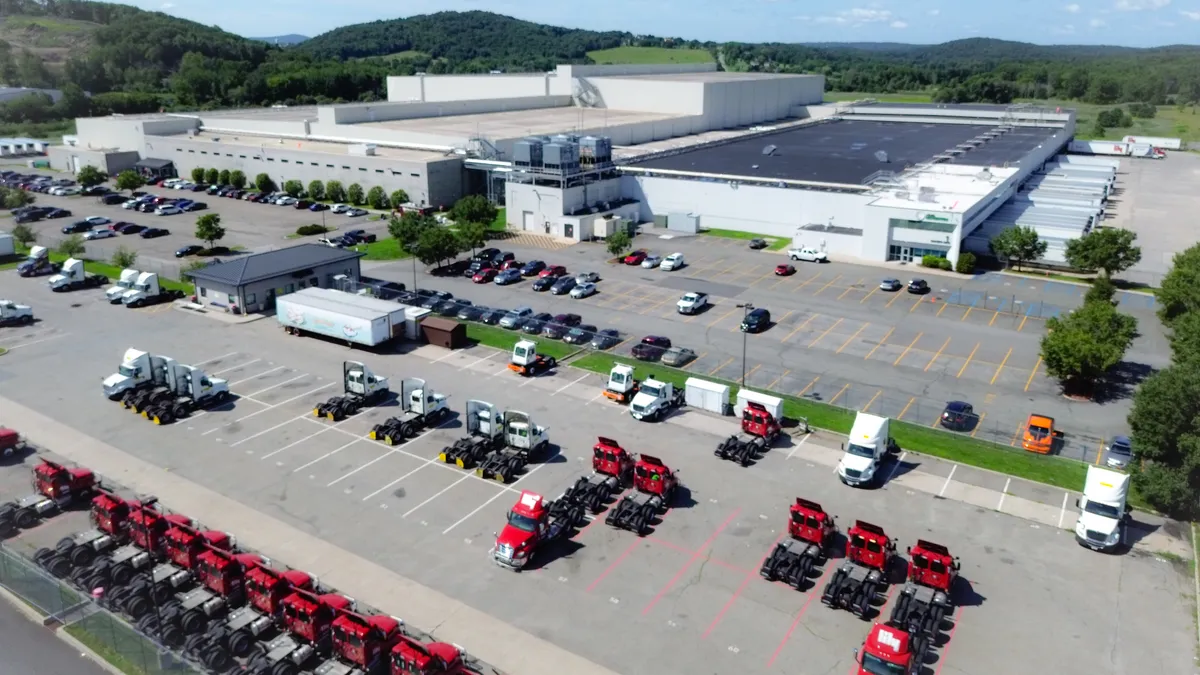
(881,156)
(769,150)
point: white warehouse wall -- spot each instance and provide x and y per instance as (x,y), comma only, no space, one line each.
(444,88)
(126,133)
(652,96)
(382,112)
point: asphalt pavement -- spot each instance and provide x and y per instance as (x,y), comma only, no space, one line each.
(30,649)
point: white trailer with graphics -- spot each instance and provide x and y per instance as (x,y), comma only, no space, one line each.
(356,319)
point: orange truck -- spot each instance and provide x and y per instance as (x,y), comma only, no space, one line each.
(1039,434)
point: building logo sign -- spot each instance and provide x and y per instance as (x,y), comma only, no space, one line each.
(936,218)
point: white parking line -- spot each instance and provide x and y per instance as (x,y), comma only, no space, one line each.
(264,431)
(1000,506)
(498,495)
(35,342)
(439,494)
(475,363)
(271,407)
(1063,511)
(794,447)
(310,436)
(501,372)
(278,385)
(393,482)
(560,389)
(255,377)
(328,454)
(393,452)
(899,461)
(594,398)
(947,483)
(216,358)
(240,365)
(444,356)
(528,380)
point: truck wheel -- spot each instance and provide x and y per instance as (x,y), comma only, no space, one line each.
(82,556)
(179,411)
(121,574)
(171,635)
(63,546)
(284,668)
(137,607)
(161,593)
(195,644)
(193,622)
(25,519)
(26,320)
(551,363)
(217,659)
(240,643)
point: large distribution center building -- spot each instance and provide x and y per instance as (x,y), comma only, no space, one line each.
(581,150)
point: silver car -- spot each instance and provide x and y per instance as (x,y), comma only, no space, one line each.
(516,317)
(583,290)
(677,356)
(651,262)
(1119,452)
(587,278)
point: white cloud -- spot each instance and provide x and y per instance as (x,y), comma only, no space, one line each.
(858,16)
(934,12)
(1072,8)
(1097,23)
(1068,29)
(167,5)
(899,24)
(1194,16)
(1140,5)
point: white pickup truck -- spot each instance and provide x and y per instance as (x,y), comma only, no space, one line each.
(807,254)
(692,303)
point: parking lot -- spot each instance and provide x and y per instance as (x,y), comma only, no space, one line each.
(685,599)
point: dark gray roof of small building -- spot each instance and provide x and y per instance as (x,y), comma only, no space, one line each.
(152,163)
(259,266)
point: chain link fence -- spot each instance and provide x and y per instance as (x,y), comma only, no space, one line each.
(65,608)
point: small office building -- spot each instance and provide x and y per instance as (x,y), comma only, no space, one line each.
(251,283)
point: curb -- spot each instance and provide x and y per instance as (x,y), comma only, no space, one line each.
(1030,277)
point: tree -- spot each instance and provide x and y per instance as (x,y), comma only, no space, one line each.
(129,180)
(212,176)
(72,246)
(1165,426)
(198,174)
(1080,349)
(1180,292)
(1102,290)
(294,188)
(398,198)
(15,199)
(1184,336)
(316,190)
(377,198)
(334,191)
(208,228)
(408,228)
(436,245)
(618,243)
(473,209)
(124,257)
(237,178)
(223,177)
(472,236)
(1108,249)
(90,175)
(263,183)
(355,194)
(24,235)
(1017,243)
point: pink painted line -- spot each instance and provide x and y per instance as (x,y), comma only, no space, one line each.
(745,582)
(695,556)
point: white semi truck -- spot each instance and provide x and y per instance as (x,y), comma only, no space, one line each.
(115,292)
(1103,510)
(147,291)
(138,369)
(73,277)
(12,314)
(866,449)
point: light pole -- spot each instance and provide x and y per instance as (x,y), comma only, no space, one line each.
(409,247)
(746,309)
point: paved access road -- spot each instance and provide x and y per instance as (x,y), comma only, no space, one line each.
(30,649)
(687,598)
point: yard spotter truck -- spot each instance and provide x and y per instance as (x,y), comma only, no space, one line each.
(812,532)
(526,361)
(654,487)
(855,585)
(622,385)
(533,523)
(524,443)
(612,472)
(55,488)
(124,283)
(72,277)
(760,429)
(423,408)
(147,291)
(902,643)
(362,388)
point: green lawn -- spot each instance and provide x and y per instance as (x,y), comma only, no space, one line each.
(383,249)
(499,223)
(499,338)
(647,55)
(1054,276)
(901,97)
(106,651)
(97,267)
(776,244)
(1170,121)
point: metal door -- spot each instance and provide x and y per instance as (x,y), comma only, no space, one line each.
(527,222)
(905,254)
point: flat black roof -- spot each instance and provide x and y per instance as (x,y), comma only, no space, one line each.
(843,151)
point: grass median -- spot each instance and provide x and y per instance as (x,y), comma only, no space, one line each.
(773,243)
(1056,471)
(107,269)
(499,338)
(105,650)
(387,248)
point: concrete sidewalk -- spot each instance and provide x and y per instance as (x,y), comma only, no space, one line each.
(501,645)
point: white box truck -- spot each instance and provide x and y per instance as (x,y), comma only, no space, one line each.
(1119,148)
(357,319)
(1103,510)
(866,449)
(1157,141)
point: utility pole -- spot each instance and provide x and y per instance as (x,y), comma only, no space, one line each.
(746,309)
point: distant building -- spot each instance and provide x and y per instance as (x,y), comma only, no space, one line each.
(9,93)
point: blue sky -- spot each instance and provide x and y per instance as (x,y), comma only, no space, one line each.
(1139,23)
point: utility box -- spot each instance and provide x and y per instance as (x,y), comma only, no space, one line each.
(705,395)
(444,333)
(773,404)
(413,316)
(8,247)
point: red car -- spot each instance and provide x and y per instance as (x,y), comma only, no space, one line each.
(553,271)
(784,270)
(512,265)
(484,275)
(636,257)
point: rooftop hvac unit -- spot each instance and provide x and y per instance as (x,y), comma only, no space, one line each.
(926,189)
(926,196)
(361,149)
(769,150)
(882,156)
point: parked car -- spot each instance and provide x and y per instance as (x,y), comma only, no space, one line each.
(557,327)
(492,317)
(470,312)
(76,227)
(449,308)
(553,271)
(318,206)
(57,213)
(1118,453)
(102,233)
(587,278)
(563,286)
(503,257)
(301,204)
(651,261)
(544,283)
(358,237)
(190,249)
(677,356)
(958,416)
(128,228)
(154,232)
(756,321)
(486,255)
(94,191)
(355,213)
(534,324)
(890,285)
(583,290)
(759,244)
(606,339)
(286,201)
(672,262)
(168,210)
(485,275)
(506,277)
(340,208)
(784,270)
(635,257)
(918,287)
(97,220)
(113,200)
(807,254)
(532,268)
(514,265)
(195,206)
(580,335)
(651,348)
(515,318)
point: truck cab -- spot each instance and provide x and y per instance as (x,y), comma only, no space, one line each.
(520,432)
(137,368)
(361,381)
(72,271)
(527,527)
(124,284)
(12,314)
(224,572)
(654,399)
(1039,434)
(62,484)
(621,384)
(758,421)
(185,544)
(886,651)
(410,657)
(310,616)
(526,360)
(364,640)
(110,514)
(144,286)
(267,588)
(866,448)
(610,459)
(38,263)
(422,400)
(1103,510)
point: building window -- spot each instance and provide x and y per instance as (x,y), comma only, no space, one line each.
(192,151)
(251,299)
(284,161)
(291,288)
(178,149)
(229,154)
(345,168)
(932,225)
(270,159)
(255,157)
(362,168)
(232,299)
(244,157)
(204,292)
(378,170)
(314,164)
(328,166)
(911,253)
(204,152)
(415,175)
(314,282)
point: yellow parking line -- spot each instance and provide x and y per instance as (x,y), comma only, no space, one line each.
(864,326)
(979,424)
(906,407)
(880,343)
(944,306)
(1099,450)
(1035,369)
(873,292)
(905,352)
(1001,366)
(810,384)
(935,421)
(789,335)
(849,288)
(768,274)
(747,376)
(914,305)
(827,331)
(732,267)
(1016,434)
(994,318)
(898,294)
(831,282)
(809,281)
(1023,320)
(785,316)
(964,366)
(868,405)
(774,382)
(839,394)
(935,356)
(694,361)
(781,280)
(967,313)
(714,370)
(714,321)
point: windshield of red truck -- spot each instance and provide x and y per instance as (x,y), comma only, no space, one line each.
(877,666)
(524,523)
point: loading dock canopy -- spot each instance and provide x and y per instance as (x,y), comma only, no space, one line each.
(153,164)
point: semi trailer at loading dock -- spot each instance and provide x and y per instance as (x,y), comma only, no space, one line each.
(357,319)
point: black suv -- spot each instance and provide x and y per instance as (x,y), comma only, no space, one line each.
(487,254)
(756,321)
(534,324)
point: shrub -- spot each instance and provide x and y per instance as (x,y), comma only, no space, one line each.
(310,230)
(931,261)
(966,263)
(944,264)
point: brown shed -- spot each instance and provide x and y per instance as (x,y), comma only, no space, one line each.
(444,332)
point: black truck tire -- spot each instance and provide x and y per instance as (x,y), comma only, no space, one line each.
(240,643)
(25,519)
(121,574)
(137,607)
(284,668)
(217,659)
(193,621)
(82,556)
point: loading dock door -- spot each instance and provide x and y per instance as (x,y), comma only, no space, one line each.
(527,221)
(75,163)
